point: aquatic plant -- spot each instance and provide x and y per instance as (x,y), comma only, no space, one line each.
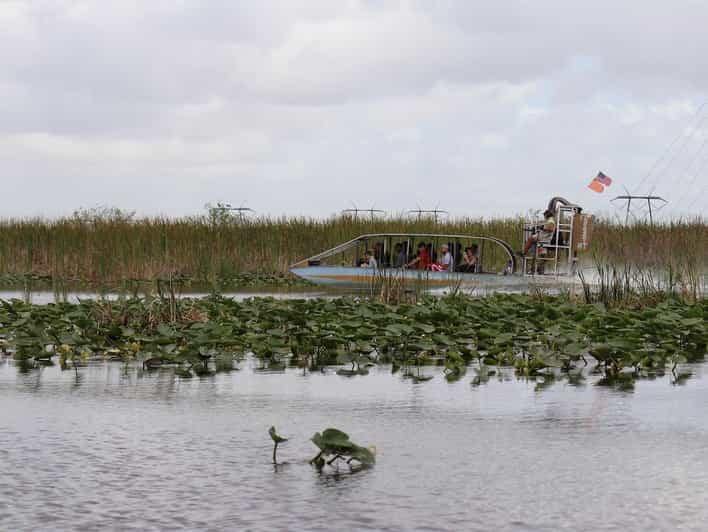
(334,445)
(455,366)
(277,439)
(540,337)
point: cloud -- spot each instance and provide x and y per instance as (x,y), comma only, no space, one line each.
(303,107)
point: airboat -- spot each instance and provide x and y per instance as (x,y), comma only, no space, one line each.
(341,266)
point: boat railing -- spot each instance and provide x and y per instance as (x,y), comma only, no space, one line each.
(315,260)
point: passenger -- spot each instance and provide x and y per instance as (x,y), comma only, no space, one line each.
(474,250)
(445,262)
(380,255)
(369,260)
(544,232)
(470,260)
(399,256)
(465,265)
(422,260)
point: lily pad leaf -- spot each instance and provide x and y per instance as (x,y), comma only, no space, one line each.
(275,436)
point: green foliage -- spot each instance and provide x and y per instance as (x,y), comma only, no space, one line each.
(102,213)
(542,339)
(335,445)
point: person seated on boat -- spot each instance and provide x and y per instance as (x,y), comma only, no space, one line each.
(369,260)
(470,260)
(422,259)
(544,232)
(456,249)
(400,258)
(445,262)
(382,258)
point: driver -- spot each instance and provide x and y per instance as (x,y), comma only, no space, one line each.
(543,234)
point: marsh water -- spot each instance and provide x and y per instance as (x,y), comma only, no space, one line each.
(483,285)
(43,297)
(123,449)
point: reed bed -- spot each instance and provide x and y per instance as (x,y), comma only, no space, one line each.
(110,250)
(668,258)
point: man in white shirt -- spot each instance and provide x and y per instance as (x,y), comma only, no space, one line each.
(446,261)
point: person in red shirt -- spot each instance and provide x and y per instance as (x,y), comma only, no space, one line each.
(422,261)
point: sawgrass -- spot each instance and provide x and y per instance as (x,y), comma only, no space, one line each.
(115,249)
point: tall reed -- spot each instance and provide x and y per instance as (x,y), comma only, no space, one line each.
(102,250)
(670,258)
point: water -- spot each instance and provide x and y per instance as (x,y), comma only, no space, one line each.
(44,297)
(148,451)
(483,285)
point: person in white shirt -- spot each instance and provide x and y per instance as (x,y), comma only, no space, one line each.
(445,262)
(369,260)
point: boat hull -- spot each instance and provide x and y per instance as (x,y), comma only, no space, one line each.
(362,278)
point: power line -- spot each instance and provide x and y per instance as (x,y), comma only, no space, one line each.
(680,151)
(648,198)
(678,180)
(688,191)
(355,212)
(434,212)
(698,196)
(241,211)
(666,152)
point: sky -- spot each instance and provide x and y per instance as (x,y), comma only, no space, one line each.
(310,107)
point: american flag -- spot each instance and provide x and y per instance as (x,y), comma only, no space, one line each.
(599,182)
(602,178)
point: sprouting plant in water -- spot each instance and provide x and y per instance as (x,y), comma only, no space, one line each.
(483,374)
(335,445)
(276,440)
(455,366)
(358,358)
(71,355)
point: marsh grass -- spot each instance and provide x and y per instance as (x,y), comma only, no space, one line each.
(114,250)
(622,285)
(671,258)
(649,264)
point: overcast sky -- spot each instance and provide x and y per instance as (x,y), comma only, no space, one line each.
(303,107)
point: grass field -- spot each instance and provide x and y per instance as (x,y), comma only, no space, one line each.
(113,249)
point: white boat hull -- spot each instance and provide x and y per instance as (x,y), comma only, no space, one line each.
(361,278)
